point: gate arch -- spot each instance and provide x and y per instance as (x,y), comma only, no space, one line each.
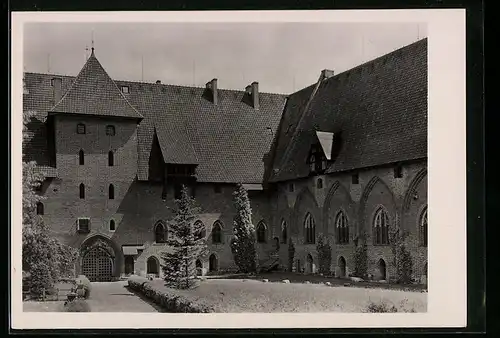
(100,260)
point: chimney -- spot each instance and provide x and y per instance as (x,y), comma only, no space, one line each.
(212,86)
(327,73)
(253,91)
(158,81)
(57,89)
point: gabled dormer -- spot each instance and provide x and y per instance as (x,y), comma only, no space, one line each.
(323,151)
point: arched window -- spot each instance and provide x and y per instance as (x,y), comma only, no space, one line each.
(111,192)
(160,232)
(110,130)
(112,225)
(81,157)
(39,208)
(422,229)
(261,232)
(381,227)
(217,232)
(310,229)
(284,232)
(212,263)
(342,228)
(152,266)
(111,159)
(80,128)
(319,183)
(82,190)
(199,230)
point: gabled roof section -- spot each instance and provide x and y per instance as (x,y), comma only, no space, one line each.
(326,141)
(376,111)
(94,93)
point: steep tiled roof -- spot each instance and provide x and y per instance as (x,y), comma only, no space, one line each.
(94,93)
(229,141)
(378,109)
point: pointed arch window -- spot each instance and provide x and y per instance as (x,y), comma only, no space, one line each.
(310,229)
(342,228)
(160,232)
(261,232)
(111,192)
(381,227)
(39,208)
(81,157)
(217,232)
(284,232)
(82,190)
(111,158)
(423,228)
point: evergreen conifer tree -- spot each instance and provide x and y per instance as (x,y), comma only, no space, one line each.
(186,242)
(243,241)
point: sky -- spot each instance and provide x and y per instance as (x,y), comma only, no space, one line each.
(282,57)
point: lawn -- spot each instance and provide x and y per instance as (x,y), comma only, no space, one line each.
(247,295)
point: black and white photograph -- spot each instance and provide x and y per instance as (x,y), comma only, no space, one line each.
(229,167)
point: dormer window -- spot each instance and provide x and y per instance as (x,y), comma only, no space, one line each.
(125,90)
(317,160)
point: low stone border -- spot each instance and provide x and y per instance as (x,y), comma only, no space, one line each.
(169,300)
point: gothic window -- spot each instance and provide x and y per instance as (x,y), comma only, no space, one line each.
(82,191)
(111,192)
(423,228)
(342,228)
(81,157)
(112,225)
(261,232)
(160,232)
(111,159)
(381,227)
(217,232)
(310,229)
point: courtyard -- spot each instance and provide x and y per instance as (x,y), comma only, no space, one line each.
(239,295)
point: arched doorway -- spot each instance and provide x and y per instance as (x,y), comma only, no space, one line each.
(382,270)
(199,268)
(97,265)
(342,266)
(309,264)
(212,263)
(153,266)
(129,265)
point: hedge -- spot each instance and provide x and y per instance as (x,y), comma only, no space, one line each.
(170,300)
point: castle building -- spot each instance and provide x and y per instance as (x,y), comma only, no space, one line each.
(345,158)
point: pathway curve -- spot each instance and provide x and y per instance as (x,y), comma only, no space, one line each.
(115,297)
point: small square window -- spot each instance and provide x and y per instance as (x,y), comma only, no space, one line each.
(110,130)
(125,90)
(83,225)
(80,128)
(355,178)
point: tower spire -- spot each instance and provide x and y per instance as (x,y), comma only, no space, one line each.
(92,53)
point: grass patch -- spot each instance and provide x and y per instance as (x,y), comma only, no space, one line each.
(248,295)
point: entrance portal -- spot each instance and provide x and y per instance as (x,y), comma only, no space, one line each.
(382,269)
(97,265)
(129,265)
(212,263)
(310,264)
(342,265)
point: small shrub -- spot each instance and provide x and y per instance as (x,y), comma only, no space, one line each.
(78,305)
(325,255)
(291,255)
(360,257)
(381,307)
(171,300)
(82,282)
